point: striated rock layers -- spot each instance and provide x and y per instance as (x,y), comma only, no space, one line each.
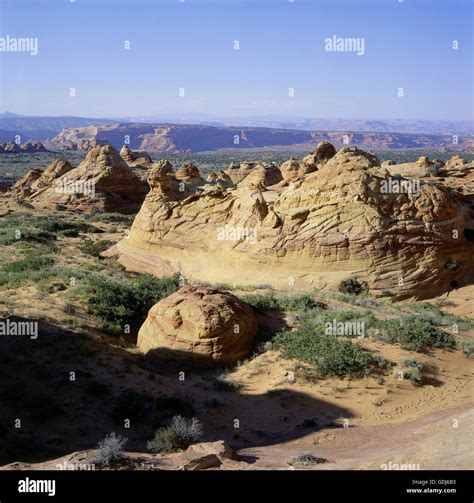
(344,216)
(199,325)
(103,181)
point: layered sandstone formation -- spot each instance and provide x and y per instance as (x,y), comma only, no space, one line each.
(103,181)
(344,216)
(135,158)
(29,147)
(200,326)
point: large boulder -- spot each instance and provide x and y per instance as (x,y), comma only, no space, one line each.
(207,455)
(324,151)
(199,326)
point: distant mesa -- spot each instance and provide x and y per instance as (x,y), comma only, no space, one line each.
(103,181)
(403,229)
(27,148)
(200,326)
(201,138)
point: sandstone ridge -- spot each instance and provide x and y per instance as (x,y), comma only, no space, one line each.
(331,216)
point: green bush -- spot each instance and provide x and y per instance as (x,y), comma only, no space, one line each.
(180,434)
(30,262)
(467,348)
(34,267)
(120,303)
(268,302)
(95,248)
(54,225)
(414,333)
(440,317)
(8,237)
(413,370)
(328,355)
(362,299)
(351,286)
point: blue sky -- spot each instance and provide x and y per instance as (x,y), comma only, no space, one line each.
(282,45)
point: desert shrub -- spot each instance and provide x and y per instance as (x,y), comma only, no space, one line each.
(268,302)
(222,286)
(381,362)
(440,317)
(32,267)
(467,348)
(51,225)
(92,229)
(95,248)
(351,286)
(10,236)
(339,316)
(305,372)
(31,262)
(413,370)
(69,233)
(414,333)
(305,459)
(109,449)
(116,304)
(180,434)
(328,355)
(222,383)
(362,299)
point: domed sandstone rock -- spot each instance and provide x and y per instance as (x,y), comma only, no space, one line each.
(199,325)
